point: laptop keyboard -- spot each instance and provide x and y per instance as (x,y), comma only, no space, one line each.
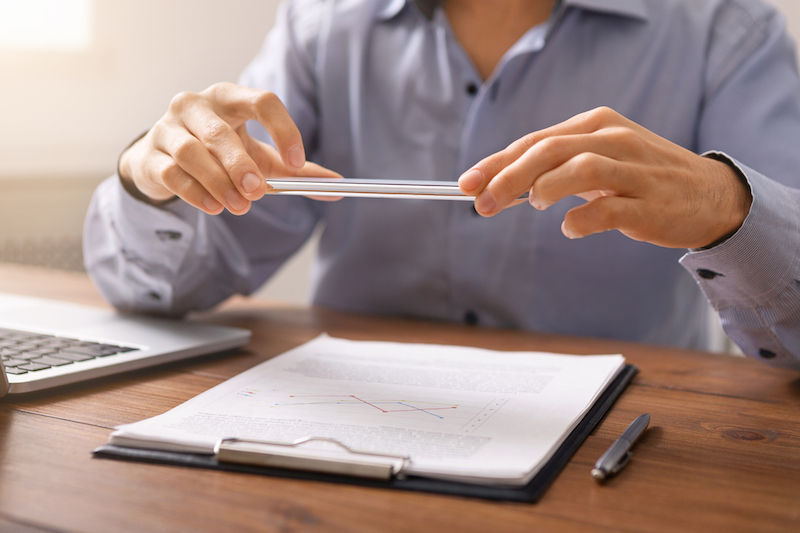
(23,352)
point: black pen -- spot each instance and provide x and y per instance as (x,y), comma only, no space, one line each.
(618,455)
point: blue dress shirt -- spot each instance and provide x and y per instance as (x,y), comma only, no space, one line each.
(382,89)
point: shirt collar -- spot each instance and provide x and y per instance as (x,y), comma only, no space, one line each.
(391,8)
(628,8)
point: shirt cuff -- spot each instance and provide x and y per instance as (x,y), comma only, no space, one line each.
(757,263)
(156,235)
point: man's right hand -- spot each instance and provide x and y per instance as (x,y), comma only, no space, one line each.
(200,151)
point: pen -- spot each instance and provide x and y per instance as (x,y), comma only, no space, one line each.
(618,455)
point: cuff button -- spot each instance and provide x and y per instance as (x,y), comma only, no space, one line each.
(707,274)
(767,354)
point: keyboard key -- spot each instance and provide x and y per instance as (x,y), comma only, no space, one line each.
(23,346)
(94,351)
(51,361)
(33,366)
(36,352)
(75,357)
(60,342)
(14,336)
(33,354)
(23,352)
(124,349)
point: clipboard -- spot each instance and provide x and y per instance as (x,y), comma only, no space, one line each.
(529,493)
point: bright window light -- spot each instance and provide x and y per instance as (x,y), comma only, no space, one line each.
(45,24)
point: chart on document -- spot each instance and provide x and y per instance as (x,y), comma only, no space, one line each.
(440,412)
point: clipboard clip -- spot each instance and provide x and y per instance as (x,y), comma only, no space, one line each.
(292,456)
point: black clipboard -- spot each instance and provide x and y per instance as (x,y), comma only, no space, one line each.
(529,493)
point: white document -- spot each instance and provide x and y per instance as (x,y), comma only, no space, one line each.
(458,413)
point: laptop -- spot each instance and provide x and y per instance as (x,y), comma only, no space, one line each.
(46,343)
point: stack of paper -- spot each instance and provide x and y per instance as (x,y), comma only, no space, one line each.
(456,413)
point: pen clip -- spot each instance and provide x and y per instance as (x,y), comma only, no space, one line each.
(621,463)
(619,454)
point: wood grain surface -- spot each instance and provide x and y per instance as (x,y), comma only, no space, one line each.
(722,452)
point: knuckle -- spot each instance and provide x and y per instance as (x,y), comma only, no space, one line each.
(235,159)
(215,132)
(601,117)
(548,148)
(625,136)
(169,172)
(267,100)
(186,149)
(182,187)
(217,88)
(526,142)
(503,189)
(182,100)
(586,164)
(605,113)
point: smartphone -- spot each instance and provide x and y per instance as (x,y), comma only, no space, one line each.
(370,188)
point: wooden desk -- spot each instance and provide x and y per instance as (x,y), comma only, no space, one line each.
(722,454)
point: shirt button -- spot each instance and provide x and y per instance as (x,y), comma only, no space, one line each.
(471,318)
(472,89)
(767,354)
(474,211)
(167,235)
(707,274)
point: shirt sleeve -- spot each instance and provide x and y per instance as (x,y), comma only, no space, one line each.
(752,112)
(753,278)
(175,259)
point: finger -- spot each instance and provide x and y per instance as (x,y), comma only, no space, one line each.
(486,180)
(520,176)
(475,179)
(605,214)
(268,161)
(164,170)
(270,164)
(192,156)
(585,174)
(550,154)
(236,104)
(196,114)
(314,170)
(224,144)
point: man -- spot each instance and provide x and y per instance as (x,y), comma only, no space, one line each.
(641,128)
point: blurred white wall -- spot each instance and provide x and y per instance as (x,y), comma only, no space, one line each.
(71,112)
(790,8)
(65,116)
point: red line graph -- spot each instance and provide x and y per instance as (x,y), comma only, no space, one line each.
(407,405)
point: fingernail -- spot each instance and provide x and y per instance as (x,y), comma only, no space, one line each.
(534,202)
(210,203)
(235,200)
(250,182)
(471,179)
(567,233)
(297,158)
(485,202)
